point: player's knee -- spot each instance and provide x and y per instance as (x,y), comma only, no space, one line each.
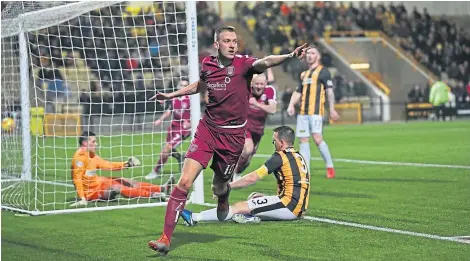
(185,184)
(247,151)
(167,149)
(248,148)
(317,138)
(303,140)
(220,189)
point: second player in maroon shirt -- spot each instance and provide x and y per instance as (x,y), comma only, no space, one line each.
(262,103)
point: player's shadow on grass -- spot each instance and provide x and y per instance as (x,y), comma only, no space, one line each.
(274,253)
(58,253)
(424,180)
(183,238)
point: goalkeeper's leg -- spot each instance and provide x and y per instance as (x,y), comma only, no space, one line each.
(131,189)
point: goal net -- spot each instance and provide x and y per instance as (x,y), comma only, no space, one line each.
(70,67)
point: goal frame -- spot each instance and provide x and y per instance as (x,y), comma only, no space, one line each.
(28,174)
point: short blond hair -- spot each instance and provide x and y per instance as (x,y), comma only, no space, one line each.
(225,28)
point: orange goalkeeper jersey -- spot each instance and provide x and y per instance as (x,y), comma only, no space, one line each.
(84,167)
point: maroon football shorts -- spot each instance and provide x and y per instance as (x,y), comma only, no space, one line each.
(224,146)
(176,134)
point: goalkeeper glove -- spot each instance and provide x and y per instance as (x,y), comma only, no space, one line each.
(132,162)
(80,203)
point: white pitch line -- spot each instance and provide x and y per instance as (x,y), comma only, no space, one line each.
(392,163)
(384,229)
(12,179)
(337,222)
(369,227)
(466,237)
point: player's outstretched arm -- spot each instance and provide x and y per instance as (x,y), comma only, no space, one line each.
(275,60)
(245,181)
(256,175)
(193,88)
(108,165)
(165,115)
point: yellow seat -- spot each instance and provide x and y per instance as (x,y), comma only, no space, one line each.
(288,29)
(277,50)
(251,24)
(133,10)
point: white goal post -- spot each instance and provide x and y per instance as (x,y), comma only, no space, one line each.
(69,67)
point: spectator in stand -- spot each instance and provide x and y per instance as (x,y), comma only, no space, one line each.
(416,94)
(52,78)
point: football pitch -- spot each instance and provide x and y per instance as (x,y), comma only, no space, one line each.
(401,193)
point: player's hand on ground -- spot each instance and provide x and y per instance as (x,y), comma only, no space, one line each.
(80,203)
(291,110)
(132,162)
(157,122)
(160,96)
(253,101)
(334,115)
(300,51)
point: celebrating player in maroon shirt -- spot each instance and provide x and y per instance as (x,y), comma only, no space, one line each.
(220,135)
(179,130)
(262,103)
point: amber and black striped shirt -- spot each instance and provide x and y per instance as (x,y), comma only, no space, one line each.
(293,179)
(313,85)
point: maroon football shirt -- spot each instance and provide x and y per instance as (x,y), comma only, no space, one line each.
(256,116)
(181,108)
(228,88)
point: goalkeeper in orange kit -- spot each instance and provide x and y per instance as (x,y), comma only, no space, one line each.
(89,186)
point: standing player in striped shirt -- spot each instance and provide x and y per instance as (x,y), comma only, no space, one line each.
(315,82)
(262,103)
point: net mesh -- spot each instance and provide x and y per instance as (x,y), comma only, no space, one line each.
(95,71)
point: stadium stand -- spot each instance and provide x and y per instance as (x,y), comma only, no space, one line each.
(278,27)
(435,42)
(117,69)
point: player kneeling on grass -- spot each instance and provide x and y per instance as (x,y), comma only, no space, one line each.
(293,179)
(89,186)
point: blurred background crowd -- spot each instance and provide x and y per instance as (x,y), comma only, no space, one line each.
(113,59)
(437,43)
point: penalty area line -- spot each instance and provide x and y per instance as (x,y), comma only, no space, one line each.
(391,163)
(385,229)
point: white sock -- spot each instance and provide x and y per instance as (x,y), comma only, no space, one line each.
(325,153)
(210,215)
(305,152)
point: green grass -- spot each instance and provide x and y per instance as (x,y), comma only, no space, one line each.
(419,199)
